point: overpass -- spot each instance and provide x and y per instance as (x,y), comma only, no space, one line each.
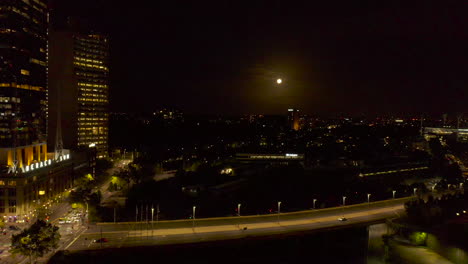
(132,234)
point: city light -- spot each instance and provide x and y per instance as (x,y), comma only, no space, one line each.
(279,81)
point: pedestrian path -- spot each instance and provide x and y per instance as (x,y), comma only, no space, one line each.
(417,255)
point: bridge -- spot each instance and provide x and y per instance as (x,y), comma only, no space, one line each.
(132,234)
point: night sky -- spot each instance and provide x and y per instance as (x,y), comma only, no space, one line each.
(223,57)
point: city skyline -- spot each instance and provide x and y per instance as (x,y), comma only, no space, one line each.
(332,57)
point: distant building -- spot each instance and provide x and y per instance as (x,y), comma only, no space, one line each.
(169,115)
(461,134)
(293,119)
(79,90)
(269,158)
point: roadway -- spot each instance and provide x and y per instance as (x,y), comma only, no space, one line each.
(106,195)
(210,229)
(68,232)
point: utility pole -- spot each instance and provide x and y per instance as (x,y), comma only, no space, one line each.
(141,219)
(147,221)
(421,121)
(157,213)
(101,238)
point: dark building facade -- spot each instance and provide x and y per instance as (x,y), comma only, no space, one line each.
(79,90)
(23,83)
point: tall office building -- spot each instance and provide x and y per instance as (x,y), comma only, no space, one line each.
(293,119)
(23,108)
(79,90)
(23,83)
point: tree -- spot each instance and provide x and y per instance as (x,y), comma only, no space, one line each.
(36,240)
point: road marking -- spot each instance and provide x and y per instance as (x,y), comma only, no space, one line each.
(77,236)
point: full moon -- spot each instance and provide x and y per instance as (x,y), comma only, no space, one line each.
(278,81)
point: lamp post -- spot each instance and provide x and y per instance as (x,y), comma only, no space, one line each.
(157,213)
(152,214)
(238,209)
(368,198)
(393,194)
(315,200)
(344,200)
(193,217)
(279,210)
(87,214)
(414,191)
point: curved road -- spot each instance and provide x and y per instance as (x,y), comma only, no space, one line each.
(209,229)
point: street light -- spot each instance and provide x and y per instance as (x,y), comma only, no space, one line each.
(315,200)
(157,213)
(152,214)
(393,194)
(368,197)
(193,217)
(414,191)
(279,210)
(87,214)
(136,213)
(344,200)
(238,209)
(279,81)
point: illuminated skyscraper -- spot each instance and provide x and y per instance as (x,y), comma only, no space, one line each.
(23,83)
(79,90)
(293,119)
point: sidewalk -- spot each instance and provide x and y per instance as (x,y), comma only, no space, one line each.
(416,255)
